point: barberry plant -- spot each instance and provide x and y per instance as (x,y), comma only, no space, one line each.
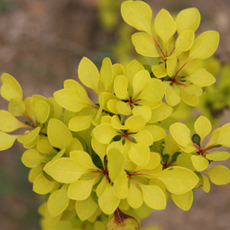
(107,164)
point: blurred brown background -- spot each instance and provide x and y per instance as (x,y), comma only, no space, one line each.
(41,44)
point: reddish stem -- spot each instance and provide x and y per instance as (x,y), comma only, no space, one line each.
(158,45)
(30,120)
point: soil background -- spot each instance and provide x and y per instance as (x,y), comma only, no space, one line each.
(41,44)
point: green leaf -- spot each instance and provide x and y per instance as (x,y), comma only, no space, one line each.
(64,170)
(205,45)
(178,180)
(183,201)
(8,123)
(164,25)
(10,88)
(85,208)
(58,134)
(137,14)
(144,44)
(42,111)
(153,196)
(219,175)
(188,19)
(88,74)
(7,140)
(58,201)
(116,163)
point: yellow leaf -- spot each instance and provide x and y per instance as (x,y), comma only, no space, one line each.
(58,134)
(107,201)
(58,201)
(180,133)
(7,140)
(123,108)
(42,185)
(99,148)
(205,45)
(224,135)
(160,113)
(157,132)
(10,88)
(202,78)
(72,84)
(116,123)
(64,170)
(30,138)
(34,172)
(17,107)
(135,198)
(57,109)
(218,156)
(164,25)
(171,66)
(121,87)
(184,41)
(85,208)
(81,189)
(188,19)
(104,133)
(131,69)
(153,196)
(116,163)
(183,201)
(139,153)
(8,123)
(70,100)
(219,175)
(199,162)
(135,123)
(184,160)
(83,158)
(121,186)
(145,111)
(137,14)
(106,73)
(190,99)
(74,144)
(31,158)
(118,69)
(206,184)
(159,70)
(171,96)
(203,127)
(88,74)
(83,119)
(178,180)
(42,111)
(144,44)
(143,136)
